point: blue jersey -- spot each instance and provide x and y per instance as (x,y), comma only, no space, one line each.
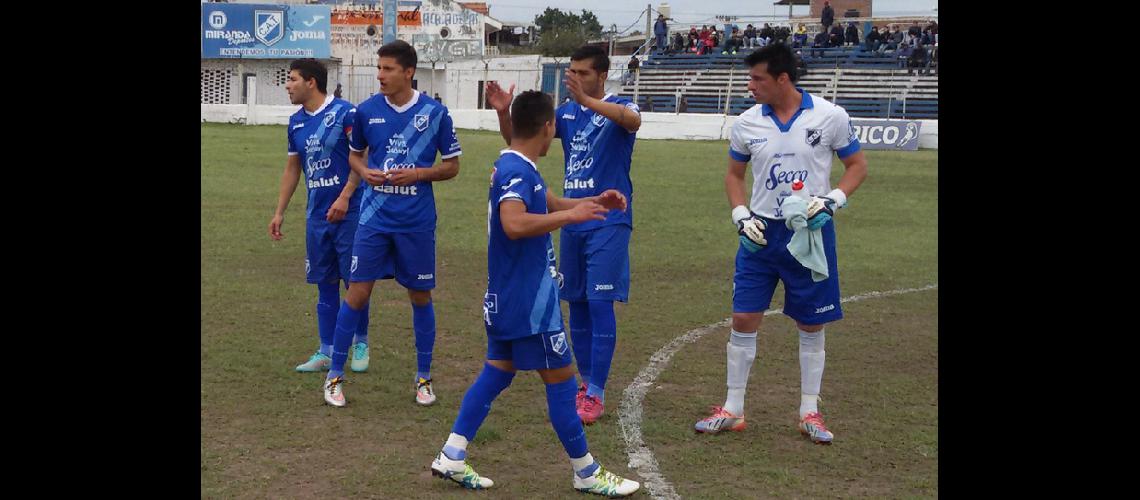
(522,283)
(404,137)
(598,152)
(321,140)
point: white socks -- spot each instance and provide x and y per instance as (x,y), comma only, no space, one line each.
(812,358)
(741,349)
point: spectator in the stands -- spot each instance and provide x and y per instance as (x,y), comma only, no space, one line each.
(631,75)
(678,42)
(801,36)
(734,42)
(782,33)
(801,66)
(827,17)
(852,38)
(661,31)
(874,40)
(336,93)
(926,38)
(895,39)
(835,38)
(716,36)
(750,37)
(765,35)
(821,40)
(903,54)
(917,59)
(694,39)
(705,42)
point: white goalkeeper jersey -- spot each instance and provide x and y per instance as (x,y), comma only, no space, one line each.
(798,150)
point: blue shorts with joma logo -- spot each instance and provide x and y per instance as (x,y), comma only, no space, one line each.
(806,301)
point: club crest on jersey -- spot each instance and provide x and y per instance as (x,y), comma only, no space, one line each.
(420,122)
(814,135)
(598,119)
(558,343)
(269,25)
(330,119)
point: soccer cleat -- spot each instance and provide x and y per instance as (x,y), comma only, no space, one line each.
(721,420)
(425,396)
(606,483)
(812,426)
(591,409)
(359,357)
(460,472)
(334,395)
(317,363)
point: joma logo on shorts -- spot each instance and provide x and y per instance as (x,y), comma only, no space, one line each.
(824,308)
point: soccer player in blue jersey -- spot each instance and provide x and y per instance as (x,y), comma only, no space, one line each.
(520,308)
(790,137)
(402,131)
(317,143)
(597,131)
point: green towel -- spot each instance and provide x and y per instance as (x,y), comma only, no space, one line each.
(806,245)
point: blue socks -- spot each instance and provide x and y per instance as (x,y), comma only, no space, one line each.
(423,322)
(580,337)
(346,323)
(477,402)
(604,338)
(327,299)
(564,417)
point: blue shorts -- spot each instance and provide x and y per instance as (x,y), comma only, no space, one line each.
(328,250)
(534,352)
(595,264)
(408,257)
(806,301)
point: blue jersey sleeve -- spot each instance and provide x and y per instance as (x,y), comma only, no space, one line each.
(512,184)
(289,147)
(446,140)
(348,122)
(356,140)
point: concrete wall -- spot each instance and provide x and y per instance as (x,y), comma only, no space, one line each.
(684,126)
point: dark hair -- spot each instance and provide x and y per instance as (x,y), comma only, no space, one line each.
(600,63)
(311,68)
(779,57)
(530,112)
(400,50)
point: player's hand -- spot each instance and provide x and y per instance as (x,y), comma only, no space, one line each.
(375,177)
(820,210)
(403,176)
(497,98)
(275,228)
(574,85)
(587,211)
(751,230)
(337,211)
(612,199)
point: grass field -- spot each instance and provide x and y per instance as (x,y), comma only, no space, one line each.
(267,433)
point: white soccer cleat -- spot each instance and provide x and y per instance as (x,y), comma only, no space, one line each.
(317,363)
(460,472)
(425,396)
(358,357)
(606,483)
(334,394)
